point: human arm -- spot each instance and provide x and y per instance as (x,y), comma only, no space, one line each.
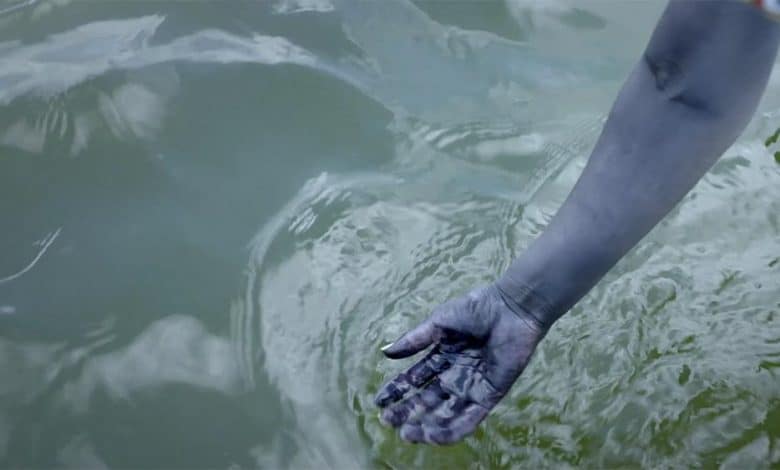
(686,101)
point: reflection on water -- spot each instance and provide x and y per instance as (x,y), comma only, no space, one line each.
(214,217)
(173,350)
(65,59)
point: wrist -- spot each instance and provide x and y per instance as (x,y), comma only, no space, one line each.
(526,302)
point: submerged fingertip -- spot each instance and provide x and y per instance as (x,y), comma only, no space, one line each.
(411,433)
(385,401)
(380,400)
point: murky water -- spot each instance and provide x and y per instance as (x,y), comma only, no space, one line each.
(213,216)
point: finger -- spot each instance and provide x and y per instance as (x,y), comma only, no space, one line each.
(393,391)
(418,404)
(412,432)
(412,342)
(416,376)
(447,431)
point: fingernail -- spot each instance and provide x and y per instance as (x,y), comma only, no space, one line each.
(386,347)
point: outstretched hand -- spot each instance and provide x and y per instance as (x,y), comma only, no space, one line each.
(480,348)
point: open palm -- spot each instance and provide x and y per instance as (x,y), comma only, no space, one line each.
(480,348)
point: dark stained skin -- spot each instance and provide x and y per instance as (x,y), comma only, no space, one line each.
(687,100)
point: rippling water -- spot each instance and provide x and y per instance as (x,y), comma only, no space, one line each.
(213,217)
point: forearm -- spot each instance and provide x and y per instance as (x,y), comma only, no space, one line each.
(683,105)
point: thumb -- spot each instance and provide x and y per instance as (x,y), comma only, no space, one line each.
(412,342)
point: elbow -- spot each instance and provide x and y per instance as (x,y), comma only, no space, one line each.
(676,86)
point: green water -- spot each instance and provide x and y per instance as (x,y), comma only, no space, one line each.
(213,214)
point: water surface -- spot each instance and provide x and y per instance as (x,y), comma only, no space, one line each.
(213,217)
